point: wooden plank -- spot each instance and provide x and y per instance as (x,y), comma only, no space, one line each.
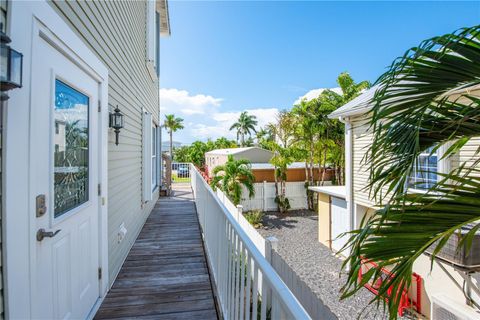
(165,275)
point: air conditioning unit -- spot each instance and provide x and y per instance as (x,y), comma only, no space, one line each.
(460,258)
(444,308)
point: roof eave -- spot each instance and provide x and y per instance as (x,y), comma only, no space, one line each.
(162,8)
(350,113)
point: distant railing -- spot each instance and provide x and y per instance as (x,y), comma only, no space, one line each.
(236,264)
(180,172)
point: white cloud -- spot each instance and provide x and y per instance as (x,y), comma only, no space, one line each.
(312,94)
(222,121)
(203,116)
(174,100)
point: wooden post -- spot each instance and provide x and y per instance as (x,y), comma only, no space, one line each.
(239,212)
(264,194)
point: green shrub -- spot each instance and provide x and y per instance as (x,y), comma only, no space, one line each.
(255,218)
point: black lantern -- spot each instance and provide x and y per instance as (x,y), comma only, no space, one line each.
(11,63)
(116,122)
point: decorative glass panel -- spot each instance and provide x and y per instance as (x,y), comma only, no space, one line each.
(71,148)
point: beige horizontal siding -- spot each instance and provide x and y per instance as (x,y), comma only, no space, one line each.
(116,32)
(362,139)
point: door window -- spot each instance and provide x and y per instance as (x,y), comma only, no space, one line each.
(71,148)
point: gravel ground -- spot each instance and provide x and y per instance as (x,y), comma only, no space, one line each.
(315,264)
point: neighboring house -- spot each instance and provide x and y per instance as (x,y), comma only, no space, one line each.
(295,172)
(73,201)
(342,208)
(219,157)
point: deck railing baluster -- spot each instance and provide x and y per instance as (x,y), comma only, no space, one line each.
(233,256)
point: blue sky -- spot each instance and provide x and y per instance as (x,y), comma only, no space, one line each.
(224,56)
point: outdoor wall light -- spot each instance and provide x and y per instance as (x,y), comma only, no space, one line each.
(116,122)
(11,63)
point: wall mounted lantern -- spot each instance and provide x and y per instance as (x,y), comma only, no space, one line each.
(116,122)
(11,63)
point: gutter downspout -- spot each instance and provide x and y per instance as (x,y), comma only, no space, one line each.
(349,170)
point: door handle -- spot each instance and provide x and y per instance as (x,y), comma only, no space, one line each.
(41,234)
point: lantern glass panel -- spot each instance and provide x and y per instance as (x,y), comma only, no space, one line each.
(16,67)
(4,63)
(118,120)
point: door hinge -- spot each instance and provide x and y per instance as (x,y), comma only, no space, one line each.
(99,106)
(99,189)
(99,273)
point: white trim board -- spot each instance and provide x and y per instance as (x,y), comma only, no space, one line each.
(30,20)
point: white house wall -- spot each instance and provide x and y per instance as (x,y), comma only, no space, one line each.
(116,32)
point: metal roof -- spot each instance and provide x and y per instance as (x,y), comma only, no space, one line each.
(359,105)
(336,191)
(234,150)
(293,165)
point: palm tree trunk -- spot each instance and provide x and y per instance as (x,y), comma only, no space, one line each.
(171,144)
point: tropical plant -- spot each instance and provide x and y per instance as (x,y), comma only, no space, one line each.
(423,101)
(224,143)
(264,137)
(172,124)
(255,218)
(332,129)
(283,147)
(230,178)
(245,125)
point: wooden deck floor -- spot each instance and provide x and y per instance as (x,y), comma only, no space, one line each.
(165,275)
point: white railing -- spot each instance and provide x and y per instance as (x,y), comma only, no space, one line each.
(180,171)
(236,264)
(237,213)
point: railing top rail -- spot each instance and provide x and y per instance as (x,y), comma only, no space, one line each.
(269,274)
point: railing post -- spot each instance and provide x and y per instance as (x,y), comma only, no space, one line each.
(264,194)
(239,212)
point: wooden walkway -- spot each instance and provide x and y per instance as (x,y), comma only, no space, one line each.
(165,275)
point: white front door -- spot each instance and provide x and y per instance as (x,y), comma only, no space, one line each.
(340,223)
(65,173)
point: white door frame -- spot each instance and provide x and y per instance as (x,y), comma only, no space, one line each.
(27,21)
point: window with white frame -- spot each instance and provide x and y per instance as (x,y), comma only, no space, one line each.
(154,157)
(424,175)
(153,35)
(147,156)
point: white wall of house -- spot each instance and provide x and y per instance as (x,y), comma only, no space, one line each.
(113,35)
(118,33)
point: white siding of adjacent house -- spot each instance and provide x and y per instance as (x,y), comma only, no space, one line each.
(362,138)
(116,32)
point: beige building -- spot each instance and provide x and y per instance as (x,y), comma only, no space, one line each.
(69,221)
(342,208)
(219,157)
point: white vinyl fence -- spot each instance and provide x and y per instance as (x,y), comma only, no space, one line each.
(309,300)
(264,198)
(236,264)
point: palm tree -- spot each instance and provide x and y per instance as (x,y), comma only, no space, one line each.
(245,125)
(172,124)
(231,176)
(423,101)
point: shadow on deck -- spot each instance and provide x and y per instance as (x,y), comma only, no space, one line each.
(165,275)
